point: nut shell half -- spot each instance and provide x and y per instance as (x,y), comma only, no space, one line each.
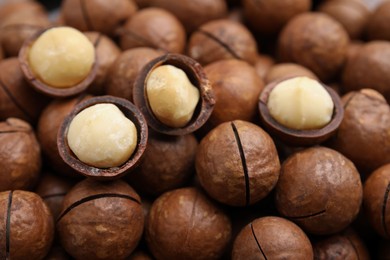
(131,112)
(198,78)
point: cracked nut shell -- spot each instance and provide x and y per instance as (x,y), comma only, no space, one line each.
(20,155)
(185,224)
(131,112)
(237,163)
(376,200)
(196,75)
(100,220)
(272,238)
(26,226)
(320,190)
(300,137)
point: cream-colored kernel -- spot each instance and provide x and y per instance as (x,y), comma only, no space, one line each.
(102,136)
(61,57)
(171,95)
(300,103)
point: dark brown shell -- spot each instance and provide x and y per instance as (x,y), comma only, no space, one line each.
(363,135)
(190,14)
(346,245)
(44,88)
(222,39)
(272,238)
(237,163)
(130,111)
(97,15)
(377,200)
(300,137)
(168,163)
(237,87)
(17,98)
(26,226)
(378,26)
(306,40)
(369,68)
(320,190)
(155,28)
(352,14)
(269,17)
(100,220)
(52,190)
(185,224)
(197,77)
(20,155)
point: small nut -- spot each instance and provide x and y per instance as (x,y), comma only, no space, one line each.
(300,103)
(171,95)
(61,57)
(102,136)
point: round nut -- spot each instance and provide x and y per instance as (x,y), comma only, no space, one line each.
(102,136)
(131,112)
(59,61)
(197,77)
(300,136)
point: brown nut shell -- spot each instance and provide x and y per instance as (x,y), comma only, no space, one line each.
(100,220)
(130,111)
(197,77)
(300,137)
(352,14)
(346,245)
(272,238)
(17,98)
(365,127)
(20,155)
(155,28)
(222,39)
(185,224)
(320,190)
(281,71)
(44,88)
(26,226)
(306,40)
(237,163)
(369,68)
(97,15)
(378,25)
(377,200)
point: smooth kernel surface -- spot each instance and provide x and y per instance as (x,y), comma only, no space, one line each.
(102,136)
(300,103)
(61,57)
(171,95)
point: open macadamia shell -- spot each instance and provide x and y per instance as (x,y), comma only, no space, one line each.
(300,137)
(43,87)
(131,112)
(196,75)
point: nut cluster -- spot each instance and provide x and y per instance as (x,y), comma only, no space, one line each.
(195,129)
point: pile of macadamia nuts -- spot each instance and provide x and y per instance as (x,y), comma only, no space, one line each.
(195,129)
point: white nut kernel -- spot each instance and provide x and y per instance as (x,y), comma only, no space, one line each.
(171,95)
(61,57)
(300,103)
(102,136)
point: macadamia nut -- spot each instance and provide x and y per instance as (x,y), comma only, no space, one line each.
(102,136)
(61,57)
(300,103)
(171,95)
